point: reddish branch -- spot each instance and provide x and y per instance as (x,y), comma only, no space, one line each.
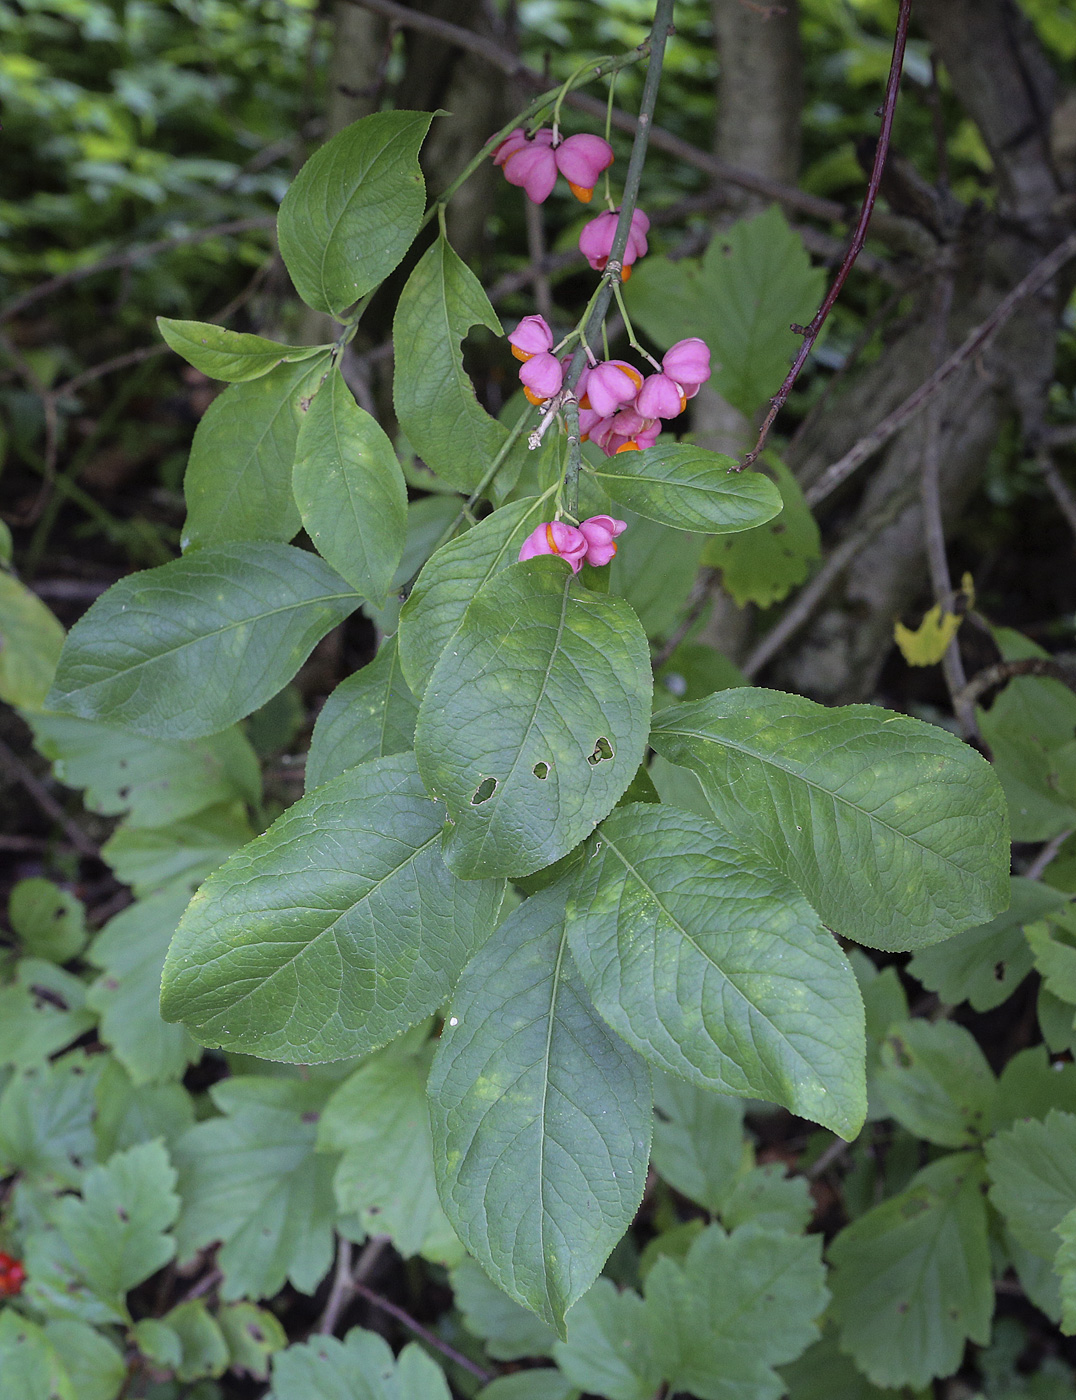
(810,333)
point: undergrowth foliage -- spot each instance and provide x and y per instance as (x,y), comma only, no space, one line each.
(527,898)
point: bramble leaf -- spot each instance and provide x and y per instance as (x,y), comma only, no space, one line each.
(361,1367)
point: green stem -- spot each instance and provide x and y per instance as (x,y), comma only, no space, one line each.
(599,69)
(632,340)
(599,304)
(575,459)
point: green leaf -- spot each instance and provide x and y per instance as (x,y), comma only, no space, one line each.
(892,828)
(690,488)
(48,921)
(738,1306)
(361,1367)
(1065,1268)
(251,1179)
(911,1278)
(1053,947)
(158,1342)
(202,1348)
(698,1140)
(291,952)
(370,715)
(253,1335)
(543,1383)
(190,647)
(128,1114)
(43,1010)
(823,1372)
(985,965)
(766,1197)
(350,490)
(93,1363)
(534,721)
(130,952)
(353,210)
(713,966)
(379,1121)
(654,570)
(763,565)
(230,355)
(451,578)
(936,1082)
(1032,1169)
(157,781)
(741,297)
(427,522)
(541,1117)
(148,858)
(694,671)
(117,1233)
(1030,729)
(608,1348)
(31,1367)
(30,642)
(434,397)
(508,1330)
(46,1117)
(1030,1085)
(238,481)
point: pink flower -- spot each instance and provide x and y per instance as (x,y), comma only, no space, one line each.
(581,159)
(625,431)
(596,240)
(688,363)
(612,383)
(533,165)
(530,337)
(565,541)
(542,376)
(588,421)
(511,143)
(601,532)
(660,397)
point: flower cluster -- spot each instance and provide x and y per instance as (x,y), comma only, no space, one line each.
(619,409)
(535,161)
(593,541)
(12,1275)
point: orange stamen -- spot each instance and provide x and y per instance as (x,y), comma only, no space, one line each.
(633,374)
(625,272)
(522,354)
(630,446)
(550,541)
(584,402)
(581,193)
(531,396)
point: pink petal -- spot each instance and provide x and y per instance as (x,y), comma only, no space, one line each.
(535,169)
(581,159)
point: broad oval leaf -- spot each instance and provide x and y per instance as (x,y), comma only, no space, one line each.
(30,644)
(434,397)
(715,967)
(690,488)
(350,490)
(186,649)
(894,830)
(452,577)
(334,931)
(534,720)
(541,1116)
(230,355)
(353,210)
(369,715)
(238,481)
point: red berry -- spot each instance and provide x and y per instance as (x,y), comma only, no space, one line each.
(12,1275)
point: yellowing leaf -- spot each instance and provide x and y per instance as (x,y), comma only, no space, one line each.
(926,644)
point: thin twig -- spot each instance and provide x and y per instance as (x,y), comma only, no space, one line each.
(810,333)
(974,342)
(131,357)
(1045,855)
(543,297)
(1002,671)
(1058,487)
(48,804)
(128,258)
(205,1284)
(342,1289)
(812,594)
(394,1310)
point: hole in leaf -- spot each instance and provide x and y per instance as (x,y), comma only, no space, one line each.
(602,751)
(484,791)
(541,770)
(999,971)
(900,1051)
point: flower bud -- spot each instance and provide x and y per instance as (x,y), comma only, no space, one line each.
(612,383)
(533,166)
(688,363)
(530,337)
(554,537)
(660,397)
(542,376)
(601,532)
(581,159)
(596,240)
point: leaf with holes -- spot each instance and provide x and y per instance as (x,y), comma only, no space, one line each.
(332,932)
(370,715)
(541,1117)
(451,578)
(713,966)
(353,210)
(230,355)
(46,1119)
(911,1278)
(350,490)
(534,720)
(893,829)
(689,488)
(188,648)
(435,400)
(238,481)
